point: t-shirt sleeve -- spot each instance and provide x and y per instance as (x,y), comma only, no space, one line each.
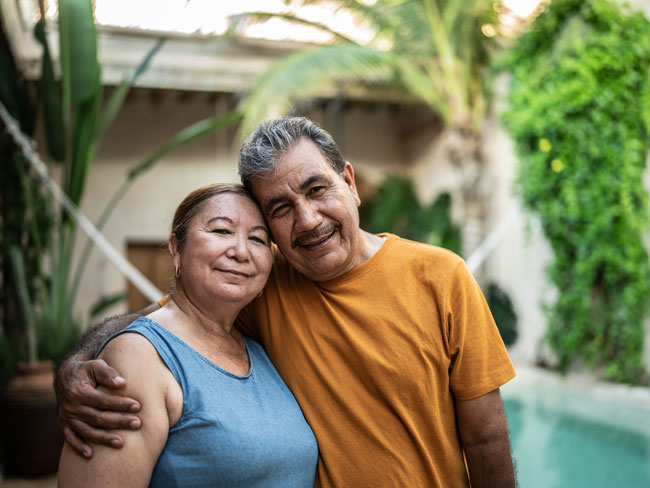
(479,360)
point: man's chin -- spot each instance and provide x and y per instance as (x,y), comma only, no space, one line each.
(321,268)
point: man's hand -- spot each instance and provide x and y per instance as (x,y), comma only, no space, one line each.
(85,412)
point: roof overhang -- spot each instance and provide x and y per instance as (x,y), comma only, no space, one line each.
(186,62)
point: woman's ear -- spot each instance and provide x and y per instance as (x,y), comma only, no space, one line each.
(174,250)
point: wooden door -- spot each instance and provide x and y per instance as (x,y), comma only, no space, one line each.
(152,260)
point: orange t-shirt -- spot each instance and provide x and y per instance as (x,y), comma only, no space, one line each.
(375,359)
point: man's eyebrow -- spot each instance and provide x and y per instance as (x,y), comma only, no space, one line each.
(314,179)
(271,203)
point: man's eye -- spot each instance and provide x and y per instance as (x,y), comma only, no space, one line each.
(316,190)
(280,210)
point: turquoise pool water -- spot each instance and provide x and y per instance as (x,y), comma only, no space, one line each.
(565,438)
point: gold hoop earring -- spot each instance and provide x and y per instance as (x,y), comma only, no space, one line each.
(177,272)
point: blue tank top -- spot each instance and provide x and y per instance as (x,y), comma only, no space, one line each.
(234,431)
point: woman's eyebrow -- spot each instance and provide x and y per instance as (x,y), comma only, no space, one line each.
(219,217)
(262,227)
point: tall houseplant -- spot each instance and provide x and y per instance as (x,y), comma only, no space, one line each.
(74,119)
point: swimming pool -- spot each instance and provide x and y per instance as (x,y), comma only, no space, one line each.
(567,433)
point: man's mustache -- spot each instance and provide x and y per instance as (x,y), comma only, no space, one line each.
(314,236)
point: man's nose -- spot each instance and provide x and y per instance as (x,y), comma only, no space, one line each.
(308,216)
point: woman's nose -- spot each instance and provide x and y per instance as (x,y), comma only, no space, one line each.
(238,248)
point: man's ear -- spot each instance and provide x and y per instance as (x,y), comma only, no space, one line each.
(348,176)
(174,250)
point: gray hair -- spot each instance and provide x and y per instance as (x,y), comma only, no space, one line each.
(265,146)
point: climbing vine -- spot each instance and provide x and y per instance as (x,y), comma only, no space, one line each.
(579,113)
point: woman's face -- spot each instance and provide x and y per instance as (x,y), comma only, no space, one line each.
(226,255)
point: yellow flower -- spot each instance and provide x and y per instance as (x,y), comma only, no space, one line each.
(557,165)
(544,145)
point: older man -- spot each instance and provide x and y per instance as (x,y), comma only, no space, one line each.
(387,344)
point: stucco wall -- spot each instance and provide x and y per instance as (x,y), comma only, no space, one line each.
(148,119)
(369,138)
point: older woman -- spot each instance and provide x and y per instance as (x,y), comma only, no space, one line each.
(215,412)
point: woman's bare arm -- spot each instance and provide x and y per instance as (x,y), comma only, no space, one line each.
(84,411)
(146,377)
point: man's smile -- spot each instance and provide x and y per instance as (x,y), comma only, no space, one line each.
(316,238)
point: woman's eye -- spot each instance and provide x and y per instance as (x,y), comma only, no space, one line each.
(221,231)
(259,240)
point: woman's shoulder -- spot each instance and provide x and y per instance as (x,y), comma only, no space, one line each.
(134,357)
(128,345)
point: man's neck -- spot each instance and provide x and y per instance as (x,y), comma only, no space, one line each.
(372,244)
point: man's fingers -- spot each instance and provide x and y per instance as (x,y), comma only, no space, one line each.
(95,436)
(101,419)
(89,395)
(79,446)
(105,375)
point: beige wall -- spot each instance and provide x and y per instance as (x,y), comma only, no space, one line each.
(372,139)
(147,120)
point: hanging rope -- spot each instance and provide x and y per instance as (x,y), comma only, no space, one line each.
(27,147)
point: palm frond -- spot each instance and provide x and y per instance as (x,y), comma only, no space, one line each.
(426,85)
(319,71)
(432,50)
(237,21)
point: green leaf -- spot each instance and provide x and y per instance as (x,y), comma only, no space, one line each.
(118,96)
(18,266)
(187,135)
(78,43)
(259,17)
(313,72)
(51,96)
(83,142)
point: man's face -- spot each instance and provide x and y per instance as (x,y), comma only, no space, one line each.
(312,212)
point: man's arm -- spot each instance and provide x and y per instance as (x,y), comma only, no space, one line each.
(84,412)
(484,436)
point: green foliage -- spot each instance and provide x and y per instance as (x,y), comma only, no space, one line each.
(430,52)
(503,313)
(578,112)
(74,119)
(19,227)
(395,209)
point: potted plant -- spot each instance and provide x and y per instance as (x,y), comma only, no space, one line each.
(44,283)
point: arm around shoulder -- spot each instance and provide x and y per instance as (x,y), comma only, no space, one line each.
(147,378)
